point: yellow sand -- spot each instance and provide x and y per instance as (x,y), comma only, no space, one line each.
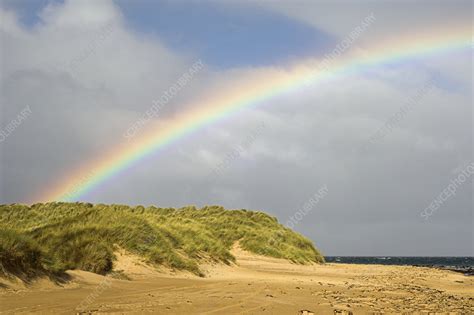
(255,285)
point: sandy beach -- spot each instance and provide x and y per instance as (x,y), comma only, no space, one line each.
(254,285)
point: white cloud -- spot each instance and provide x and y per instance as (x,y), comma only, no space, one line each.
(79,15)
(85,82)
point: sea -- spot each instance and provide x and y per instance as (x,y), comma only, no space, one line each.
(463,265)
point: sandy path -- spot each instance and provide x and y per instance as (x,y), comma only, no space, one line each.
(257,285)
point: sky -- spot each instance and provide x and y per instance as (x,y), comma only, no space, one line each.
(76,75)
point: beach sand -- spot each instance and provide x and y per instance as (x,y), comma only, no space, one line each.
(254,285)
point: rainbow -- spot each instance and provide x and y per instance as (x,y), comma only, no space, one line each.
(247,91)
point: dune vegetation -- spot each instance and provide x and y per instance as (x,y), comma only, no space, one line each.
(54,237)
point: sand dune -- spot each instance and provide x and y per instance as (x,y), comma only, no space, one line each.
(255,285)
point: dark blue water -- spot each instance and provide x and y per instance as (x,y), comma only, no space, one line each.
(460,264)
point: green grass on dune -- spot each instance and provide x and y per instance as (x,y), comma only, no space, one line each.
(54,237)
(19,254)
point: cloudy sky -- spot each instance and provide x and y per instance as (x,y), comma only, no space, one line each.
(75,75)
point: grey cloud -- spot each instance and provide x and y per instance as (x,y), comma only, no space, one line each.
(340,17)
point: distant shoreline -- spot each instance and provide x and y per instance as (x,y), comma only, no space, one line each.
(464,265)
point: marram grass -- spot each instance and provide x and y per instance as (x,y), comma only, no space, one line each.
(54,237)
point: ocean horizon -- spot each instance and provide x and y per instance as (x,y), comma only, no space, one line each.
(464,264)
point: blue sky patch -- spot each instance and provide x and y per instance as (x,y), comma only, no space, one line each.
(226,35)
(27,10)
(222,35)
